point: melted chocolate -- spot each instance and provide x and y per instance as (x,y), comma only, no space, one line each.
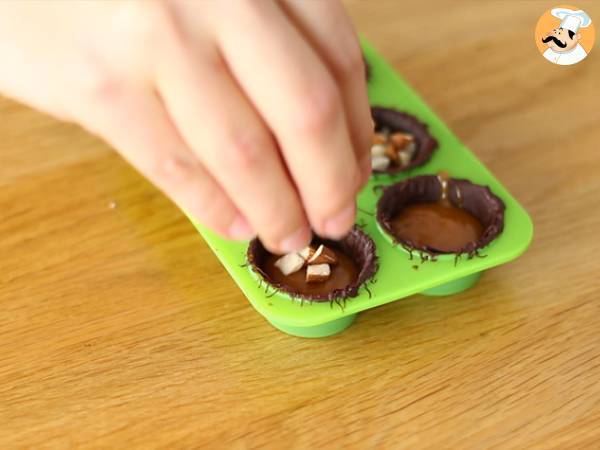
(438,227)
(344,273)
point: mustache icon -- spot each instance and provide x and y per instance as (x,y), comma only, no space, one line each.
(555,40)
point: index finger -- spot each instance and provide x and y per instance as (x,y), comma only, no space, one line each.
(330,31)
(299,99)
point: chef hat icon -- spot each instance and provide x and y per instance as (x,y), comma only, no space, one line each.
(571,19)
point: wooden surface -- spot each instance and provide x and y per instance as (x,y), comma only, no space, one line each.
(119,328)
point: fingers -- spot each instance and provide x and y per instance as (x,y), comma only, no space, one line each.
(330,31)
(229,138)
(299,99)
(137,124)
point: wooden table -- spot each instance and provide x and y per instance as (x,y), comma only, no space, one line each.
(119,328)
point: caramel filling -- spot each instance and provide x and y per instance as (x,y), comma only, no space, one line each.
(438,227)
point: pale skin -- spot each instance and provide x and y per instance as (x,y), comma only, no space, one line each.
(252,115)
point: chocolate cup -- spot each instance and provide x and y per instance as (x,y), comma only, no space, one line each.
(399,121)
(356,244)
(477,200)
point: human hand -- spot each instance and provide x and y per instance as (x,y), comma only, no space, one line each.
(251,115)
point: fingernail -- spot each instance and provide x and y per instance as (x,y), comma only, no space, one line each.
(240,229)
(341,223)
(295,241)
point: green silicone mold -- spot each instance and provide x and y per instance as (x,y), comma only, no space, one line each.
(398,276)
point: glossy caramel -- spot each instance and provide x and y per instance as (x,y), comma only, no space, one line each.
(439,227)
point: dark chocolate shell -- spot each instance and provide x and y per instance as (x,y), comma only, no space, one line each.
(356,244)
(399,121)
(475,199)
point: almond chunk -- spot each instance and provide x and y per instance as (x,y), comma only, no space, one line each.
(401,140)
(317,273)
(323,255)
(411,148)
(307,252)
(380,162)
(379,138)
(290,263)
(392,153)
(405,158)
(378,150)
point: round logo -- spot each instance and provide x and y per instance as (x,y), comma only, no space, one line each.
(565,35)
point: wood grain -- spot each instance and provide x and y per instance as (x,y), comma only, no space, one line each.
(119,328)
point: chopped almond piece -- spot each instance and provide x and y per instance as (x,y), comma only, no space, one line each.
(323,255)
(392,153)
(401,140)
(380,162)
(411,148)
(378,150)
(307,252)
(290,263)
(379,138)
(405,158)
(317,273)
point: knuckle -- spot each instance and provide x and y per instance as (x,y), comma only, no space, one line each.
(143,24)
(172,170)
(350,63)
(94,80)
(102,87)
(105,65)
(319,109)
(245,152)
